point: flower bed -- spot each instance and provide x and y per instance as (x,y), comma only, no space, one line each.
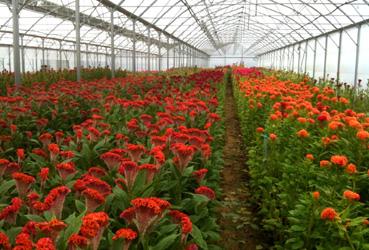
(308,160)
(128,163)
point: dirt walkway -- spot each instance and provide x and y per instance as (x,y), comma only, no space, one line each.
(236,215)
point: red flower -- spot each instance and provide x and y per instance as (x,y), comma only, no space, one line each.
(206,191)
(145,212)
(23,183)
(129,170)
(303,133)
(45,139)
(159,140)
(135,151)
(362,135)
(44,173)
(20,154)
(185,222)
(112,160)
(97,172)
(3,165)
(76,241)
(23,242)
(200,174)
(4,242)
(51,228)
(151,170)
(205,151)
(66,169)
(93,226)
(93,199)
(184,154)
(158,155)
(89,181)
(45,244)
(54,151)
(54,201)
(192,246)
(351,196)
(316,195)
(351,168)
(127,234)
(328,214)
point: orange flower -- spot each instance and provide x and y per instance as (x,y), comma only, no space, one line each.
(325,163)
(350,195)
(316,195)
(309,156)
(303,133)
(328,214)
(272,136)
(351,168)
(362,135)
(260,130)
(339,160)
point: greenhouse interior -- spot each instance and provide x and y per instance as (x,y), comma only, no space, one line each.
(184,124)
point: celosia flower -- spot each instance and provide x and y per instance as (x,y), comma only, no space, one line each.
(328,214)
(159,141)
(4,242)
(192,246)
(23,242)
(54,201)
(54,151)
(135,151)
(93,199)
(51,228)
(145,212)
(260,130)
(45,244)
(205,150)
(339,160)
(45,139)
(185,222)
(97,172)
(76,241)
(11,168)
(3,165)
(309,157)
(151,170)
(206,191)
(351,196)
(158,155)
(200,174)
(23,183)
(89,181)
(93,226)
(20,154)
(127,234)
(351,168)
(66,169)
(362,135)
(44,173)
(112,160)
(129,170)
(184,153)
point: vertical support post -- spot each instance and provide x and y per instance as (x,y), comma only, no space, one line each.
(78,43)
(134,46)
(159,51)
(168,52)
(87,59)
(36,59)
(112,49)
(23,56)
(16,56)
(106,57)
(299,59)
(121,59)
(10,58)
(306,56)
(60,55)
(174,56)
(339,56)
(148,49)
(97,56)
(43,51)
(358,38)
(325,58)
(314,63)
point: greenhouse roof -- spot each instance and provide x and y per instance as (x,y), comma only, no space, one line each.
(208,25)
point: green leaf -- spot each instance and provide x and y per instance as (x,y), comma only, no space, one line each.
(34,217)
(166,242)
(80,206)
(6,186)
(198,238)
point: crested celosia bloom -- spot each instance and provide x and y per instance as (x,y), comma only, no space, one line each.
(51,228)
(205,150)
(159,140)
(54,201)
(185,222)
(97,172)
(339,160)
(67,154)
(93,199)
(20,154)
(362,135)
(159,156)
(129,170)
(192,246)
(44,173)
(151,170)
(4,242)
(3,165)
(59,137)
(11,168)
(89,181)
(145,212)
(54,151)
(76,242)
(328,214)
(45,244)
(66,169)
(93,226)
(112,160)
(184,153)
(351,168)
(94,134)
(316,195)
(200,174)
(309,157)
(23,183)
(206,191)
(45,139)
(351,196)
(135,151)
(127,234)
(23,242)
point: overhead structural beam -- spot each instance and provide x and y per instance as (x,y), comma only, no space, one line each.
(78,42)
(132,16)
(65,13)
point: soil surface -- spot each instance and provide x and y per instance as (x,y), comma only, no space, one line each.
(236,213)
